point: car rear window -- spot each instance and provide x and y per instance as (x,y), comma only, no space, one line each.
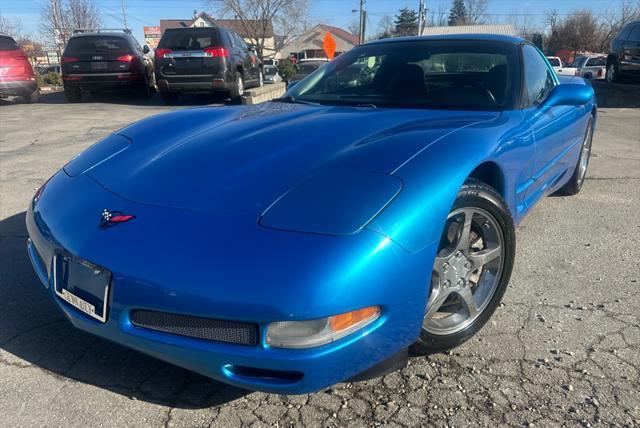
(270,70)
(100,44)
(192,40)
(8,44)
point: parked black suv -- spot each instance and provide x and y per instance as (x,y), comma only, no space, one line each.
(205,60)
(100,61)
(624,54)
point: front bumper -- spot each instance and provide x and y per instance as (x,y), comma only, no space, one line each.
(227,267)
(17,87)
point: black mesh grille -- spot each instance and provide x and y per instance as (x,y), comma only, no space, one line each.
(201,328)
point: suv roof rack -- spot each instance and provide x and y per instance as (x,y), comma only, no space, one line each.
(100,30)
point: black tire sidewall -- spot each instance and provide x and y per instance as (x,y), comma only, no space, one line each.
(478,195)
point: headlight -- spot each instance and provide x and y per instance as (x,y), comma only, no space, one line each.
(332,203)
(311,333)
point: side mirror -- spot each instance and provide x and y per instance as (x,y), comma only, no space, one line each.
(570,94)
(145,49)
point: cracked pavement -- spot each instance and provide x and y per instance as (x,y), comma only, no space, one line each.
(562,350)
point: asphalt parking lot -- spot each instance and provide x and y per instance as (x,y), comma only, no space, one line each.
(563,349)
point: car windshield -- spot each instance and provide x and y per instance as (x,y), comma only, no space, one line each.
(191,39)
(270,70)
(456,74)
(579,62)
(93,44)
(7,44)
(555,62)
(309,67)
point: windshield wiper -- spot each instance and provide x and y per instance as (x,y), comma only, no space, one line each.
(293,100)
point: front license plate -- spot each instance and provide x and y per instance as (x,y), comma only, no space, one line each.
(83,285)
(99,65)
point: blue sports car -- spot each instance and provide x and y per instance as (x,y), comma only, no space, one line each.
(314,239)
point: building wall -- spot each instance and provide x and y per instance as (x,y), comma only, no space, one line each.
(312,40)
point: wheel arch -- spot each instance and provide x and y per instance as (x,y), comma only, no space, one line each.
(490,174)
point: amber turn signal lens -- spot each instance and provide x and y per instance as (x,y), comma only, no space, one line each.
(344,321)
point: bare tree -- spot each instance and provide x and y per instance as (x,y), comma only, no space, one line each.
(476,11)
(438,18)
(59,18)
(11,28)
(354,27)
(259,18)
(613,19)
(584,31)
(385,28)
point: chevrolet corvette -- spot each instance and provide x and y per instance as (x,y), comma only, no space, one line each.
(316,238)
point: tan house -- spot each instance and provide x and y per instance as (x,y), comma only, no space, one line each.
(309,44)
(246,29)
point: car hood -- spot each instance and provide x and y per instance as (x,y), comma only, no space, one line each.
(241,159)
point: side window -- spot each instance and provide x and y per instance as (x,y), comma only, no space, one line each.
(596,62)
(634,36)
(624,34)
(539,80)
(232,40)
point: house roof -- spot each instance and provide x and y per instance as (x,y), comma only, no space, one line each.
(248,27)
(339,32)
(503,29)
(244,29)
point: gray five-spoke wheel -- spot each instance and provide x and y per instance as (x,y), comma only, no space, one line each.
(466,272)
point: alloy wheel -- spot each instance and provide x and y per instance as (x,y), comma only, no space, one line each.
(585,154)
(466,272)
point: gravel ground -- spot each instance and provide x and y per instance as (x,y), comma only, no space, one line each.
(563,349)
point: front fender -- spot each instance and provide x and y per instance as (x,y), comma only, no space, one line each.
(433,178)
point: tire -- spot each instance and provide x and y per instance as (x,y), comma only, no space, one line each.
(613,73)
(32,97)
(490,235)
(573,186)
(169,98)
(145,91)
(238,89)
(73,96)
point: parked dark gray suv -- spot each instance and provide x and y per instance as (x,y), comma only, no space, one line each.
(624,54)
(205,60)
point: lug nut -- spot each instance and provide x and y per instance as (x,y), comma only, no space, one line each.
(459,254)
(467,265)
(461,282)
(445,267)
(446,283)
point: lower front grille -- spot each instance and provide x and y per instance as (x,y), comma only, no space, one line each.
(196,327)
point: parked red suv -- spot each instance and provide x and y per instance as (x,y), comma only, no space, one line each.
(16,74)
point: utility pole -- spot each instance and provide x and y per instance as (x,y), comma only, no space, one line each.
(124,15)
(422,17)
(363,20)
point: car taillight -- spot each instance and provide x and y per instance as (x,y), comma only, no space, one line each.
(68,59)
(161,52)
(126,58)
(216,51)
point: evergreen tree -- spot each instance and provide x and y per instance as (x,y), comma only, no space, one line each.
(458,14)
(406,23)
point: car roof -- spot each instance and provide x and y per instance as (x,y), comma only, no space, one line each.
(480,37)
(101,33)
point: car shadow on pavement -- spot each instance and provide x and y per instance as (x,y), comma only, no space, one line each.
(34,333)
(132,99)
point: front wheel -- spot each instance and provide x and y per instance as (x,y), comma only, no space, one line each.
(471,269)
(169,98)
